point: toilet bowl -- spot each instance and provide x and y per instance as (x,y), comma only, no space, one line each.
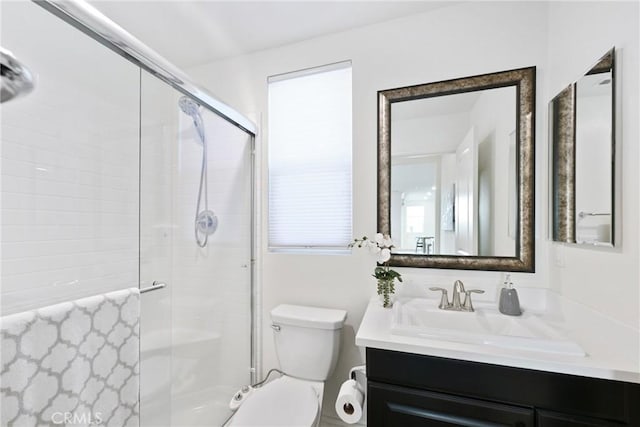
(307,341)
(283,402)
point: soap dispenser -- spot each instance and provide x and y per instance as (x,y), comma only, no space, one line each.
(509,302)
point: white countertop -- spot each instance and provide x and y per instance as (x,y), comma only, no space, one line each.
(613,350)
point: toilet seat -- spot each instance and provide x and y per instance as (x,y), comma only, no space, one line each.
(282,402)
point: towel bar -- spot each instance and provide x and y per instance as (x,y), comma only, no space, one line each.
(155,285)
(585,214)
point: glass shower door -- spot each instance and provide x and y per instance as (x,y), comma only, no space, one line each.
(196,332)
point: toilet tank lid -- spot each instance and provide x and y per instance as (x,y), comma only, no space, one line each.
(308,317)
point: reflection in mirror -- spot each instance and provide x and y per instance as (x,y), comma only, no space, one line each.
(451,161)
(583,158)
(456,172)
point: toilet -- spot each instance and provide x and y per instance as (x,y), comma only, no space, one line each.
(307,341)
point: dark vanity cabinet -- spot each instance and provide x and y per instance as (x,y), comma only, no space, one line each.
(411,390)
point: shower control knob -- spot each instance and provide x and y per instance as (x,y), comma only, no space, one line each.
(240,397)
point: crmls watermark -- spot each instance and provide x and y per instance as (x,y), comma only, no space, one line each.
(71,418)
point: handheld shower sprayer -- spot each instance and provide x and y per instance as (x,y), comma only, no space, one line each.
(206,222)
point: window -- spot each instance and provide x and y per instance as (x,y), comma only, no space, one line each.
(415,219)
(310,159)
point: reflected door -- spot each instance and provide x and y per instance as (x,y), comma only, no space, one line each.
(466,161)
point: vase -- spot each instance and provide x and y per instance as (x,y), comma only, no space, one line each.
(386,289)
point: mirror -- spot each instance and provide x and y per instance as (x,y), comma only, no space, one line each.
(583,150)
(456,172)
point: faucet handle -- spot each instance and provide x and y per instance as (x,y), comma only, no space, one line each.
(444,300)
(468,305)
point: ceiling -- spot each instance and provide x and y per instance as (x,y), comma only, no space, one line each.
(435,106)
(190,33)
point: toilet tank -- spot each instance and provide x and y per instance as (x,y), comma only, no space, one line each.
(307,340)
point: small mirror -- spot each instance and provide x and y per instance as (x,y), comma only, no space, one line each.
(583,157)
(456,172)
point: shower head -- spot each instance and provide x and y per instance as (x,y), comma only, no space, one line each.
(189,106)
(192,109)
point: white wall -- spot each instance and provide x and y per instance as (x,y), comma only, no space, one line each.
(456,41)
(579,34)
(69,166)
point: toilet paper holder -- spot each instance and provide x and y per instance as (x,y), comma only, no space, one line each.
(360,379)
(352,372)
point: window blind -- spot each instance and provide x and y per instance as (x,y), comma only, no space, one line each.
(310,157)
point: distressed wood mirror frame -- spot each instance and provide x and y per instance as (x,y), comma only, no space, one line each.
(524,81)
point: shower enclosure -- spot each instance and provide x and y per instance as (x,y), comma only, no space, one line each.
(117,171)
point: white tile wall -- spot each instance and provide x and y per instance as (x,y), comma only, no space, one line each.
(211,285)
(69,166)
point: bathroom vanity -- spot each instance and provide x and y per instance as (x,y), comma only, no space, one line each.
(427,381)
(406,389)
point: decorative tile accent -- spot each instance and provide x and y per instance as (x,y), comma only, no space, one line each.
(75,363)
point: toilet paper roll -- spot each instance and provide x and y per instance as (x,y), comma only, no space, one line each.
(349,402)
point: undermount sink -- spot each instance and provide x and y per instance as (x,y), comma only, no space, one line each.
(421,317)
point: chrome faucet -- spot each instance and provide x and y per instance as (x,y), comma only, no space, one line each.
(455,304)
(458,288)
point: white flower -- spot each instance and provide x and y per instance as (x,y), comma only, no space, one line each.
(380,246)
(384,255)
